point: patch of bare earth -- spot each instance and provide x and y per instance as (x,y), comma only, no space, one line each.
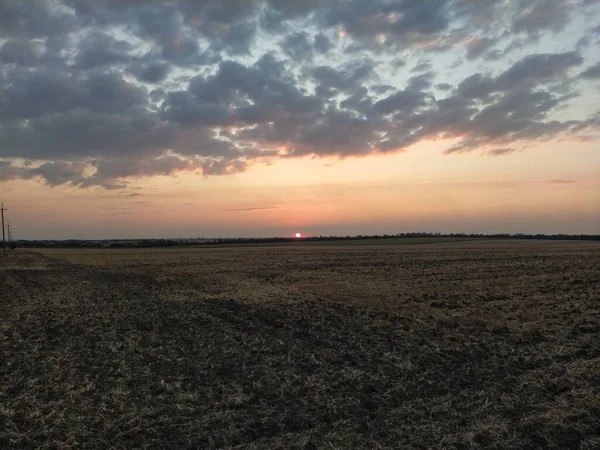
(474,345)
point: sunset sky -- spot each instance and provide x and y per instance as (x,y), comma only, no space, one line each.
(259,118)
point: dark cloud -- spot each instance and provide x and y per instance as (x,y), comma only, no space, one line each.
(229,25)
(529,17)
(534,69)
(298,46)
(322,43)
(592,72)
(154,72)
(293,8)
(100,49)
(81,133)
(183,108)
(34,93)
(19,52)
(382,88)
(35,19)
(238,40)
(500,151)
(57,173)
(358,101)
(421,82)
(406,101)
(541,15)
(181,50)
(518,115)
(137,167)
(28,94)
(238,94)
(403,22)
(478,47)
(157,95)
(8,171)
(338,133)
(241,93)
(476,86)
(422,66)
(203,142)
(223,167)
(346,79)
(78,107)
(111,93)
(526,73)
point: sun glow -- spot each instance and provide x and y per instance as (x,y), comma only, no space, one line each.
(298,235)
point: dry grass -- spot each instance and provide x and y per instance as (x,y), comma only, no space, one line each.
(458,345)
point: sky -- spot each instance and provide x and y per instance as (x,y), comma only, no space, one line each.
(130,119)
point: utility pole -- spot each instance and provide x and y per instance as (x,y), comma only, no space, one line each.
(3,238)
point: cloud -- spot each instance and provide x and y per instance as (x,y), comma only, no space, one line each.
(57,173)
(136,167)
(322,43)
(421,82)
(153,72)
(530,18)
(592,72)
(98,49)
(407,101)
(35,19)
(298,45)
(478,46)
(561,181)
(8,171)
(422,66)
(403,23)
(348,78)
(83,134)
(19,52)
(528,72)
(500,151)
(477,86)
(518,115)
(42,92)
(541,15)
(256,208)
(538,68)
(102,93)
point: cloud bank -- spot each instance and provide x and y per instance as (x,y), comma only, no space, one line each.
(101,93)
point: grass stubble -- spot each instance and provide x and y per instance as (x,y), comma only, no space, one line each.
(459,345)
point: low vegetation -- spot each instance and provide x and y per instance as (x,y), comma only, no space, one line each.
(459,345)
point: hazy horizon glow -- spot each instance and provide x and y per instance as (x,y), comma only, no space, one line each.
(266,118)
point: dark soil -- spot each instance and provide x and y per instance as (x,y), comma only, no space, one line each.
(95,357)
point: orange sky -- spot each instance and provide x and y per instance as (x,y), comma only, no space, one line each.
(267,118)
(553,188)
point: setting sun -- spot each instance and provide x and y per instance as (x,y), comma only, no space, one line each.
(298,235)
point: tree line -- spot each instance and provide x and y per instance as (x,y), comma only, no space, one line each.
(147,243)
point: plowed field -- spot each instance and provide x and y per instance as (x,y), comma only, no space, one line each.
(457,345)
